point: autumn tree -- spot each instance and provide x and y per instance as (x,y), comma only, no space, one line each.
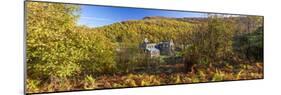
(211,42)
(49,50)
(98,53)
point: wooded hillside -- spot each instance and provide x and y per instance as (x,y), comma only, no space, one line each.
(62,55)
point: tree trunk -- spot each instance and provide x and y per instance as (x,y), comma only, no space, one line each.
(189,63)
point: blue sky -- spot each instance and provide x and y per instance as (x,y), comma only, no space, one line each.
(95,16)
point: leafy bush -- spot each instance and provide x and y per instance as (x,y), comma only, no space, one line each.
(251,45)
(89,82)
(33,85)
(211,43)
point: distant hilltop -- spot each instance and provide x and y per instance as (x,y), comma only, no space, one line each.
(185,19)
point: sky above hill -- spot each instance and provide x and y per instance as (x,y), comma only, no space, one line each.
(95,16)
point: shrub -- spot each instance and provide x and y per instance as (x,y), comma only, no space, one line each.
(250,45)
(89,82)
(211,43)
